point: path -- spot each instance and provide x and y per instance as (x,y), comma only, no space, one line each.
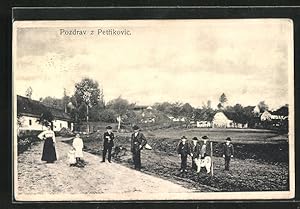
(97,181)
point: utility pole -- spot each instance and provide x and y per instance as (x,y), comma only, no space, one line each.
(212,162)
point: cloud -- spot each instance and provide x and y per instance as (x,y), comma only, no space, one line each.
(189,61)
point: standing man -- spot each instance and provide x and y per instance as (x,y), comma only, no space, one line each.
(183,149)
(138,141)
(195,152)
(204,147)
(228,152)
(108,143)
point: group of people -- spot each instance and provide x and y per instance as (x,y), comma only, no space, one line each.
(200,150)
(196,149)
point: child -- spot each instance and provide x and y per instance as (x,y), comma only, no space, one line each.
(228,152)
(71,155)
(78,146)
(183,150)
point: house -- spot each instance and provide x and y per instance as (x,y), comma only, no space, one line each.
(29,111)
(266,115)
(204,124)
(222,120)
(256,110)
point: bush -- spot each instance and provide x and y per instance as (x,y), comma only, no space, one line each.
(107,116)
(25,142)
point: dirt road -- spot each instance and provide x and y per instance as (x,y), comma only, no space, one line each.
(108,181)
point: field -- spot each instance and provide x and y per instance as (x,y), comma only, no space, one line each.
(260,162)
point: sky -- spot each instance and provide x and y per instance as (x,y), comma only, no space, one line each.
(172,60)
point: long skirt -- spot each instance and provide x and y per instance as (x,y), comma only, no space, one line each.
(49,153)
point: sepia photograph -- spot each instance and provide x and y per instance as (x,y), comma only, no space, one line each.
(139,110)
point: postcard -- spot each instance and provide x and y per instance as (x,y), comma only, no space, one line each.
(136,110)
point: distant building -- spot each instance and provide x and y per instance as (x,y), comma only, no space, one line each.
(204,124)
(266,115)
(222,120)
(256,110)
(30,111)
(179,119)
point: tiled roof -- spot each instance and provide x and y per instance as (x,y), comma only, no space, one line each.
(36,108)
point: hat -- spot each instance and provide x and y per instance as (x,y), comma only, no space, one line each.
(195,138)
(108,127)
(204,137)
(228,139)
(183,137)
(135,127)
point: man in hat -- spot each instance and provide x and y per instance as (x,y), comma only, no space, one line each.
(138,141)
(204,147)
(228,152)
(183,149)
(195,152)
(108,143)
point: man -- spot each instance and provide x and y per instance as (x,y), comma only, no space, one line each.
(183,149)
(228,152)
(195,152)
(138,141)
(204,147)
(108,143)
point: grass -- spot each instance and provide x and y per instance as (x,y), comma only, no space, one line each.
(260,162)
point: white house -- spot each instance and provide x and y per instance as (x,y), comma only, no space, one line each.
(265,116)
(220,120)
(204,124)
(268,116)
(256,110)
(29,111)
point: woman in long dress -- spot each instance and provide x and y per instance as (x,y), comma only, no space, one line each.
(49,153)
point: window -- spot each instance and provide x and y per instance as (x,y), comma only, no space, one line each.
(60,125)
(30,122)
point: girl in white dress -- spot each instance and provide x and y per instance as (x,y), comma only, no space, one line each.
(78,146)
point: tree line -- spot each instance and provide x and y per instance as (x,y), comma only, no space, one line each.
(87,104)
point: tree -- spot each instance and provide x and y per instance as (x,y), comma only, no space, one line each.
(119,105)
(262,106)
(175,109)
(65,100)
(46,118)
(209,104)
(87,95)
(28,92)
(187,110)
(284,111)
(164,107)
(53,102)
(220,106)
(107,115)
(222,100)
(87,91)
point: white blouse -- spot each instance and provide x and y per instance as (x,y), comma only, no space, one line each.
(47,134)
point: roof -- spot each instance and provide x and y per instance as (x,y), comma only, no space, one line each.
(35,108)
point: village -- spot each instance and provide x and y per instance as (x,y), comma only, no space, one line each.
(256,142)
(30,111)
(205,112)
